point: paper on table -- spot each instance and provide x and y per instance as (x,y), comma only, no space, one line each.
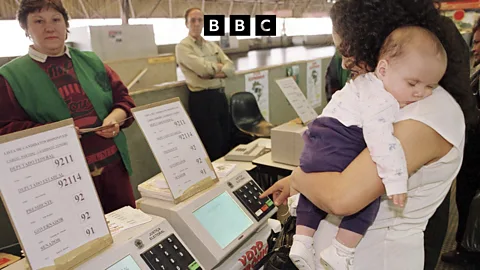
(49,193)
(149,189)
(297,99)
(160,181)
(223,169)
(126,218)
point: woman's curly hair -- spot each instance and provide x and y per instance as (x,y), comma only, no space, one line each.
(363,26)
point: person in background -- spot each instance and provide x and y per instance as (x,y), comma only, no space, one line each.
(205,67)
(54,82)
(336,76)
(468,179)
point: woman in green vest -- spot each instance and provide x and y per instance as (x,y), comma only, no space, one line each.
(54,82)
(336,76)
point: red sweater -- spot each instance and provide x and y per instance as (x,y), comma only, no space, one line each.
(98,150)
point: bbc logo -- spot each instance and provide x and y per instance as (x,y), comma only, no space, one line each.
(265,25)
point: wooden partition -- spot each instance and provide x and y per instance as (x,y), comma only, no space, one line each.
(142,73)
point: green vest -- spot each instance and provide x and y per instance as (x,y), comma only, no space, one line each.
(39,97)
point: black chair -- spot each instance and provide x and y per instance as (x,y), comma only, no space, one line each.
(247,116)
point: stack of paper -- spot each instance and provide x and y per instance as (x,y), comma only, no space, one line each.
(160,181)
(223,169)
(157,188)
(126,218)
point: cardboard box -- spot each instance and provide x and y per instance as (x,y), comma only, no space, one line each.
(287,142)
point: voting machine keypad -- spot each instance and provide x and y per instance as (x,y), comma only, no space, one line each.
(249,195)
(170,254)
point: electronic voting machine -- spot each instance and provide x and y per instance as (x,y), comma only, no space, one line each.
(216,222)
(152,245)
(214,217)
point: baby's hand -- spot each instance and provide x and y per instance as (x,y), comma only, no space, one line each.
(399,199)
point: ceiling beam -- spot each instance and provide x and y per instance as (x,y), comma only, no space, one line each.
(132,11)
(106,7)
(95,12)
(230,9)
(124,11)
(153,9)
(203,6)
(170,8)
(254,9)
(306,7)
(84,9)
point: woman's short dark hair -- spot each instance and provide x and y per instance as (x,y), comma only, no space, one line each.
(363,26)
(31,6)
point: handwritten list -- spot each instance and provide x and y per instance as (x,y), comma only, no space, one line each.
(297,99)
(175,144)
(48,191)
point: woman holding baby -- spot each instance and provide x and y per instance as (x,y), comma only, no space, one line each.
(431,131)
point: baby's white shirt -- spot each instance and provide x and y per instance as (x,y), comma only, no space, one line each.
(365,103)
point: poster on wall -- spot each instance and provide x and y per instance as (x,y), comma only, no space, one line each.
(115,36)
(257,84)
(294,71)
(314,83)
(464,20)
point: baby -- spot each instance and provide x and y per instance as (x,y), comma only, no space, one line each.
(412,61)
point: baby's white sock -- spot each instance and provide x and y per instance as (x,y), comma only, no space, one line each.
(343,250)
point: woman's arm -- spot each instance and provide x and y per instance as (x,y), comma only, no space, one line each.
(350,191)
(122,105)
(122,101)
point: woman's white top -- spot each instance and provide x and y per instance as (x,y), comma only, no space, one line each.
(395,240)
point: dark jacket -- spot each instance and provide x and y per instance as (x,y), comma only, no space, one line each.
(457,77)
